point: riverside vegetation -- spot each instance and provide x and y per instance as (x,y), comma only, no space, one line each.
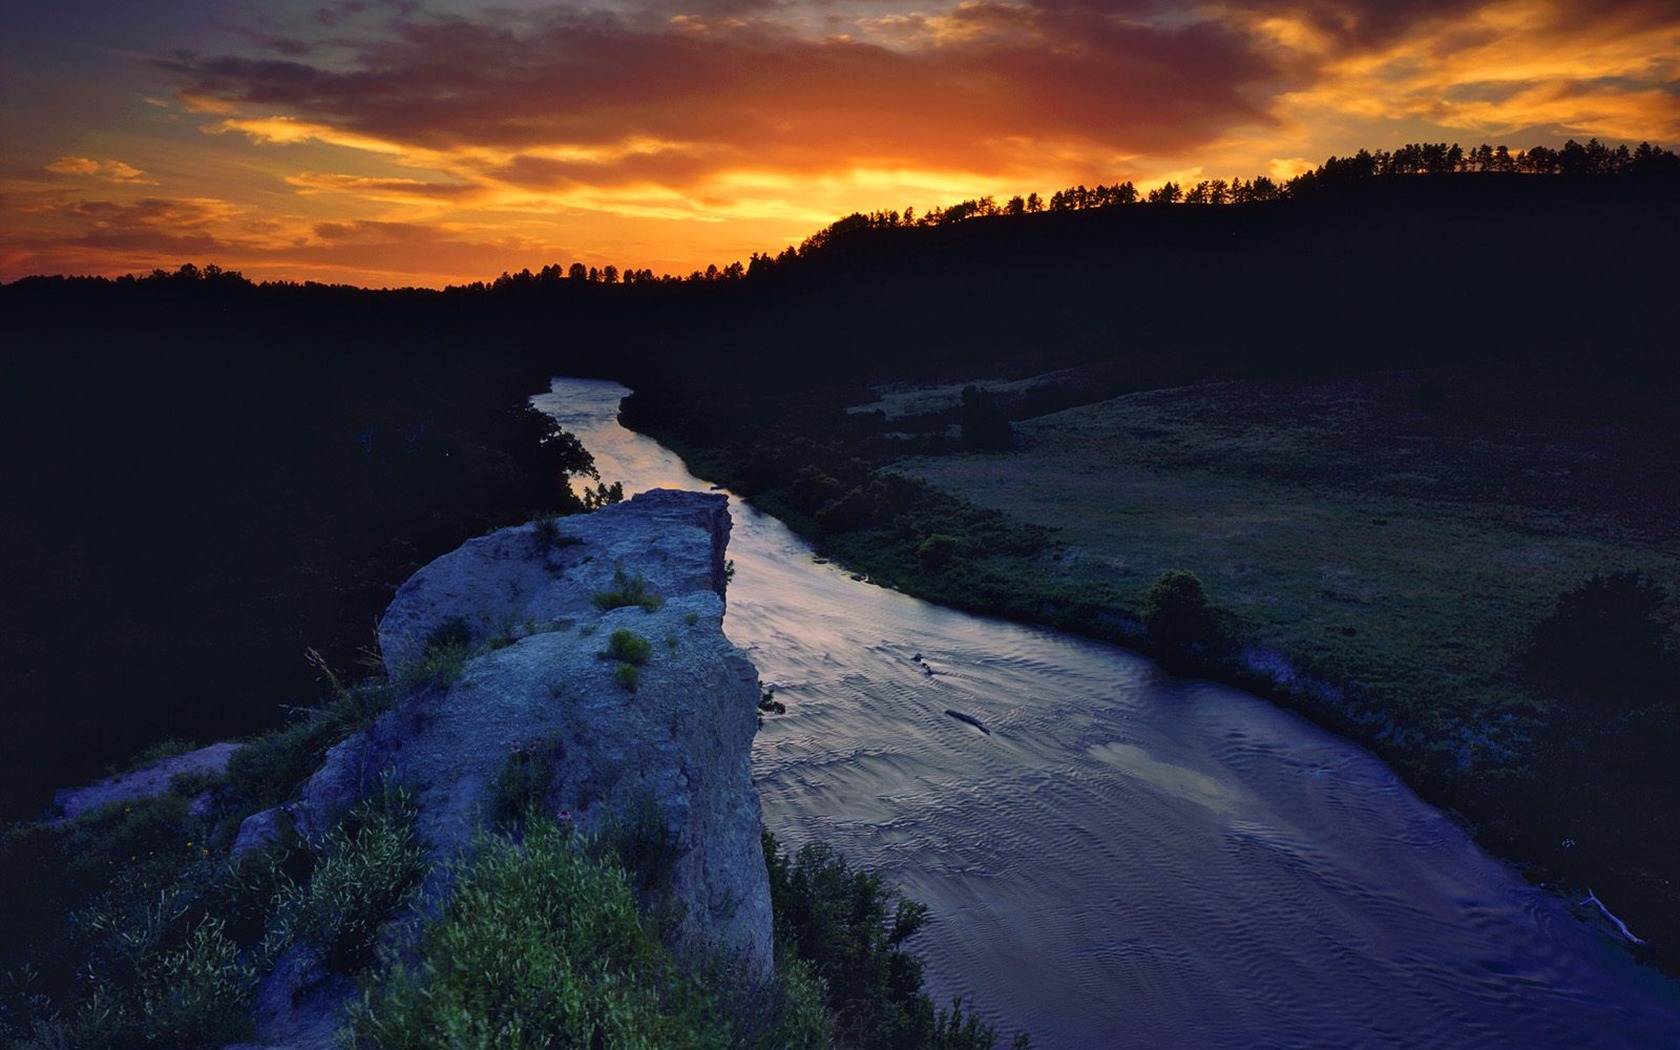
(148,930)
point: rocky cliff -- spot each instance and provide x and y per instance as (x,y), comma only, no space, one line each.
(539,605)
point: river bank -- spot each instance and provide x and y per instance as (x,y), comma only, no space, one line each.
(1131,857)
(1578,797)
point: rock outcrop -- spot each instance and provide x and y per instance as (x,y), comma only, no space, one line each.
(147,781)
(529,601)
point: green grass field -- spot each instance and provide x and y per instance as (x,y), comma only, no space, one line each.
(1399,533)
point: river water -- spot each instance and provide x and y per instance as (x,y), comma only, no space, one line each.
(1131,859)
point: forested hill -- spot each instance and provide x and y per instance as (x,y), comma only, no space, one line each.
(1362,261)
(207,475)
(1413,269)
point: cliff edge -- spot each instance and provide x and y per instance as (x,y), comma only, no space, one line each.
(553,613)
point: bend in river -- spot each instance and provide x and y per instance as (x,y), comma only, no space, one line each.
(1129,858)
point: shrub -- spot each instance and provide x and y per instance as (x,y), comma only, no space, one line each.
(639,841)
(161,991)
(266,771)
(626,591)
(628,676)
(602,495)
(769,705)
(629,647)
(445,651)
(523,784)
(1606,638)
(1176,612)
(370,868)
(936,551)
(539,945)
(850,928)
(154,964)
(545,533)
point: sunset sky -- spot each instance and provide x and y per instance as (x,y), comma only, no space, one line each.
(424,142)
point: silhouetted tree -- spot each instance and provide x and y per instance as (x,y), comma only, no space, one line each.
(1606,640)
(1166,193)
(1176,612)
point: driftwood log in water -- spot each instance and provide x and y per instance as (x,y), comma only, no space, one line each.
(970,719)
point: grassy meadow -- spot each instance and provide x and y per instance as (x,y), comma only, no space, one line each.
(1399,533)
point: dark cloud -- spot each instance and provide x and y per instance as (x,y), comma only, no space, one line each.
(159,243)
(289,47)
(984,74)
(150,213)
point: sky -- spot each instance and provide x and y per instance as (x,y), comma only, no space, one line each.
(393,143)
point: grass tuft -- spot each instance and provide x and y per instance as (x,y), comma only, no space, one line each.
(627,591)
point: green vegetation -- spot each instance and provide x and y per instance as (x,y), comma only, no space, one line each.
(543,944)
(367,871)
(632,651)
(1607,642)
(629,647)
(265,771)
(1178,619)
(523,785)
(850,929)
(156,753)
(984,426)
(155,938)
(936,552)
(443,653)
(545,532)
(627,591)
(769,705)
(638,840)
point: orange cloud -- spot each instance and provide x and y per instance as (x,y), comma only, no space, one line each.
(108,170)
(1492,68)
(396,190)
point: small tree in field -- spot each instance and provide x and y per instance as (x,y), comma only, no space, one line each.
(1176,612)
(1606,638)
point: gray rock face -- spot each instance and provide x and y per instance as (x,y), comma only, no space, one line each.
(146,782)
(678,745)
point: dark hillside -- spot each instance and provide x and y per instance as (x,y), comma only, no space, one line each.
(207,478)
(1401,270)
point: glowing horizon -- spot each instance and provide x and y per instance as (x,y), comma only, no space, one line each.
(427,142)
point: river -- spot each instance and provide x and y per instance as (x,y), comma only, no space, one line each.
(1132,859)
